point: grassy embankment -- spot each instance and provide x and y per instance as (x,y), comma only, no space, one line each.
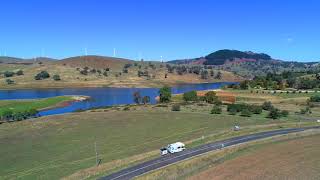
(38,104)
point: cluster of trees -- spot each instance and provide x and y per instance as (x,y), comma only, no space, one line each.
(315,98)
(138,99)
(274,113)
(198,70)
(286,79)
(86,70)
(209,97)
(10,116)
(11,73)
(247,110)
(42,75)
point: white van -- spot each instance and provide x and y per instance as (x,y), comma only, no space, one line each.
(176,147)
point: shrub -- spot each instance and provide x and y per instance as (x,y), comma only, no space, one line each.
(9,81)
(84,72)
(125,70)
(6,114)
(165,94)
(127,108)
(56,77)
(210,97)
(105,73)
(146,99)
(274,113)
(190,96)
(267,106)
(255,109)
(8,74)
(284,113)
(232,111)
(175,107)
(315,98)
(137,97)
(216,110)
(126,66)
(19,72)
(42,75)
(245,112)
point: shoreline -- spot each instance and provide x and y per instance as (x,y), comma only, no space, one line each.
(109,86)
(66,103)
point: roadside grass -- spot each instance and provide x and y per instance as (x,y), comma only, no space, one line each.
(194,166)
(23,105)
(57,146)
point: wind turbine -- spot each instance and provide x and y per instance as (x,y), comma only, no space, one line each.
(86,51)
(114,52)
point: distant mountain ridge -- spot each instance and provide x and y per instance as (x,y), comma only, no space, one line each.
(224,56)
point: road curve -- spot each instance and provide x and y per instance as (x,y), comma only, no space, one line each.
(160,162)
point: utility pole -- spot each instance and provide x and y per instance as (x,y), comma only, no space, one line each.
(95,148)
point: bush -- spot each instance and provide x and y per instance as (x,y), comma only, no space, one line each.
(284,113)
(274,113)
(125,70)
(42,75)
(84,72)
(165,94)
(216,110)
(146,99)
(9,81)
(210,97)
(315,98)
(8,74)
(19,72)
(126,66)
(105,73)
(56,77)
(7,114)
(246,112)
(232,111)
(137,97)
(175,107)
(190,96)
(267,106)
(255,109)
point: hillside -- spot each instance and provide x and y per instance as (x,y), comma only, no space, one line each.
(94,62)
(247,64)
(98,71)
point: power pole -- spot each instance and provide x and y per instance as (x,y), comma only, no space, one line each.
(95,148)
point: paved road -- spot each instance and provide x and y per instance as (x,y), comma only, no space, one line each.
(157,163)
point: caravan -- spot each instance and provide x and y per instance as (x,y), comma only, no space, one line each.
(172,148)
(176,147)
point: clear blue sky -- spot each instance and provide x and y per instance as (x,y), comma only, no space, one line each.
(174,29)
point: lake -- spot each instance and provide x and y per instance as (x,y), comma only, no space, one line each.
(102,96)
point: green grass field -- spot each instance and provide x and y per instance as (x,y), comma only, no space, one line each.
(57,146)
(23,105)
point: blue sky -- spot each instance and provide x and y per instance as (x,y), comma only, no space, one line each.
(174,29)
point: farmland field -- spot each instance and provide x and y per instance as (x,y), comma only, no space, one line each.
(57,146)
(293,159)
